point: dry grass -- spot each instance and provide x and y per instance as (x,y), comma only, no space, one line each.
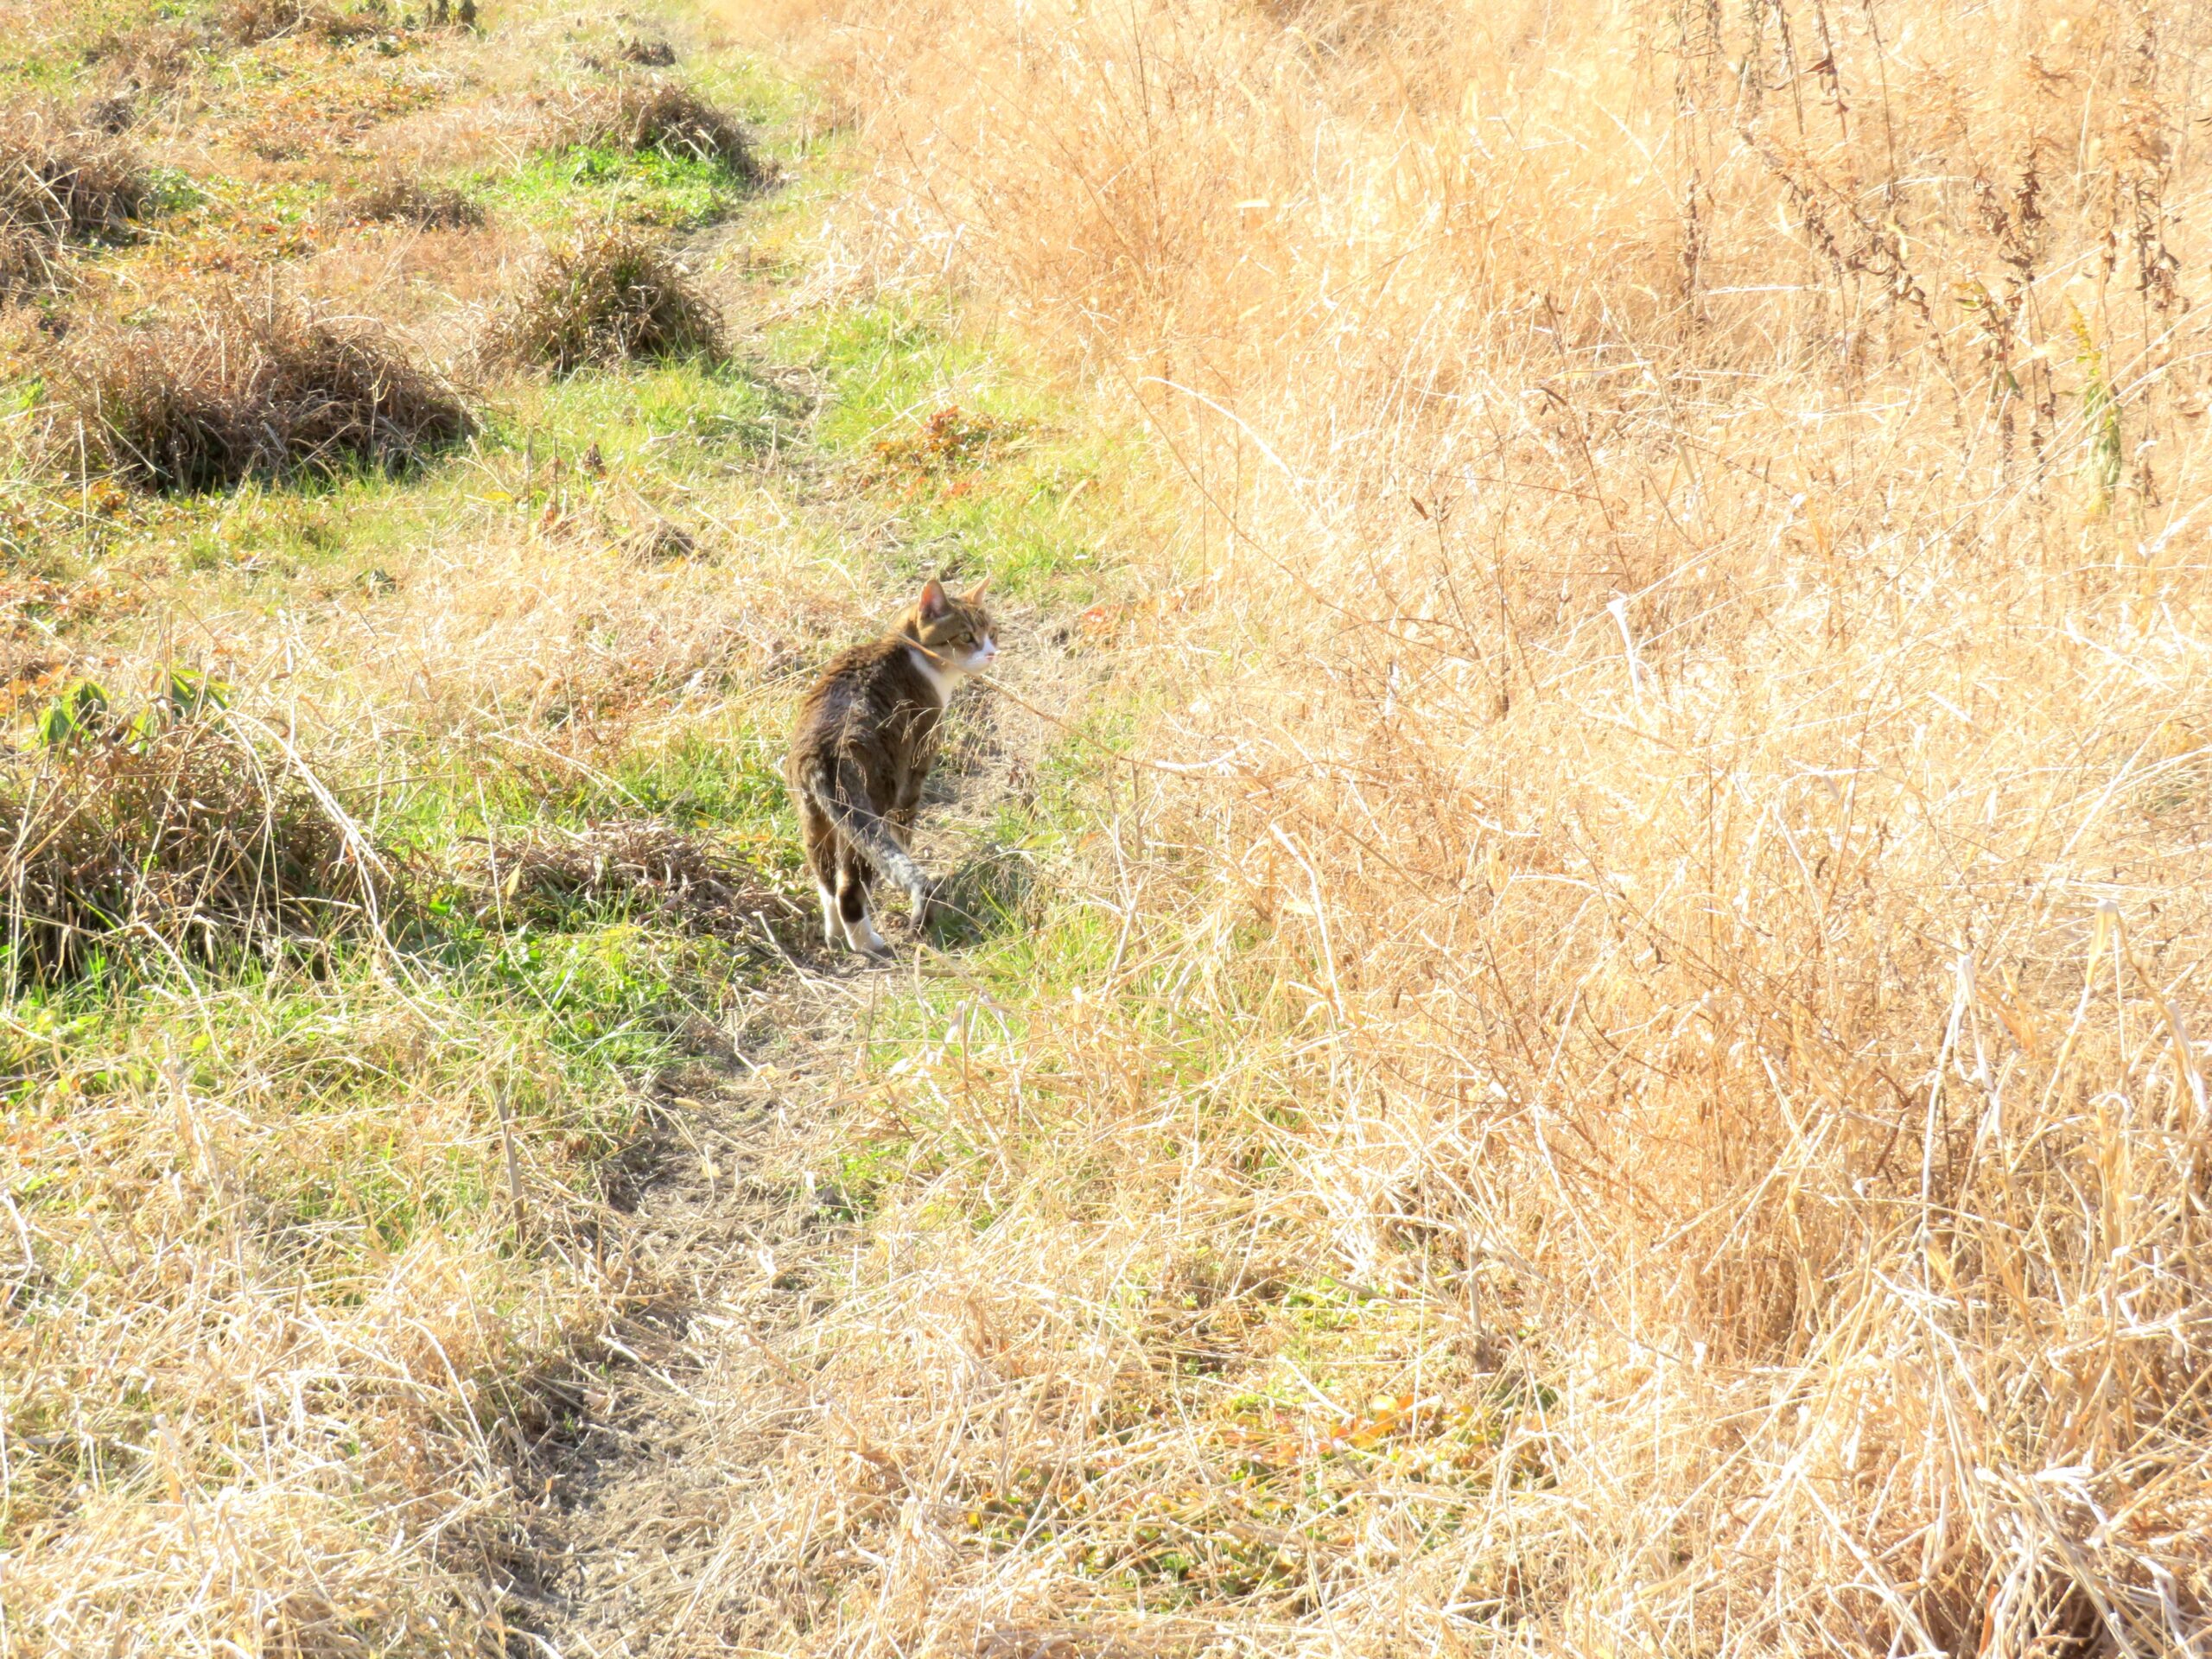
(152,58)
(544,874)
(1641,1087)
(659,543)
(402,199)
(61,182)
(271,1322)
(180,841)
(608,298)
(240,387)
(251,23)
(256,1364)
(110,115)
(637,113)
(1630,1078)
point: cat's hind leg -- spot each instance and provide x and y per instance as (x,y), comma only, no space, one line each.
(819,836)
(854,875)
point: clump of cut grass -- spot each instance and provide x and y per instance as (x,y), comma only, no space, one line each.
(251,23)
(152,58)
(647,54)
(651,112)
(110,115)
(61,183)
(609,298)
(400,198)
(661,542)
(544,874)
(170,840)
(240,389)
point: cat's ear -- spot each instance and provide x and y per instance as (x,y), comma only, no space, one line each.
(933,603)
(977,592)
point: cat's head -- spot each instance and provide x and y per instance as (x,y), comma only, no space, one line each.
(953,628)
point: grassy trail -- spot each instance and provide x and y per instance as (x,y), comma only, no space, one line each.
(431,1288)
(735,1220)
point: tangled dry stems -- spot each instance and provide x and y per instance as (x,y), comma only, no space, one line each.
(605,299)
(659,542)
(110,115)
(241,387)
(251,23)
(151,58)
(191,845)
(61,182)
(401,198)
(543,874)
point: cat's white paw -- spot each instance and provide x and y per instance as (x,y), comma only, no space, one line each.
(862,936)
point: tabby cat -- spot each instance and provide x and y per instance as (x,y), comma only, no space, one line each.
(867,734)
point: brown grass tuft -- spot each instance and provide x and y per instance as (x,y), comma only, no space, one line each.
(661,542)
(651,112)
(400,198)
(110,115)
(61,182)
(647,53)
(188,843)
(609,298)
(544,874)
(250,22)
(151,58)
(240,389)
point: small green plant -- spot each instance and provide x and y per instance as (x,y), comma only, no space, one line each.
(2100,409)
(81,713)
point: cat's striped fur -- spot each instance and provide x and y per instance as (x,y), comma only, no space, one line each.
(866,737)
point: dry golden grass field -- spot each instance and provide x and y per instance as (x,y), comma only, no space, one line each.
(1575,1021)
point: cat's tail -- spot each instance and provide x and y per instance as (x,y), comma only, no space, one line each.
(839,790)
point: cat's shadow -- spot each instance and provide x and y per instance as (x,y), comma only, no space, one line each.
(985,896)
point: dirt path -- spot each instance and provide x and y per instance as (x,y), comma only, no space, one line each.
(733,1241)
(723,1225)
(729,1230)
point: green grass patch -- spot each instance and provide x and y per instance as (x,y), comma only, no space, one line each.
(966,444)
(727,779)
(680,420)
(586,185)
